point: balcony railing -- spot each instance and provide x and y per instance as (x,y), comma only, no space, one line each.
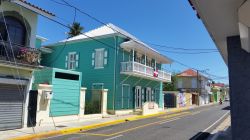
(19,54)
(145,71)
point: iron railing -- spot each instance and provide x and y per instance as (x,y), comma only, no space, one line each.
(19,54)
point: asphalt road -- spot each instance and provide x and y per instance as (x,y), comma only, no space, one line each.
(192,124)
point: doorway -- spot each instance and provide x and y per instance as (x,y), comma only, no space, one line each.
(138,101)
(148,94)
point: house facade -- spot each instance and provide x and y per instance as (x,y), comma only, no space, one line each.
(18,59)
(110,58)
(189,81)
(218,91)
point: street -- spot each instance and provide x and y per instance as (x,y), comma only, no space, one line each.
(191,124)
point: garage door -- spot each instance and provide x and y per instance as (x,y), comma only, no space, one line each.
(11,106)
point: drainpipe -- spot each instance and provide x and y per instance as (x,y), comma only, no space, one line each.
(114,87)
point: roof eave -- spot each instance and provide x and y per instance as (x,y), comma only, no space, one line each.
(36,10)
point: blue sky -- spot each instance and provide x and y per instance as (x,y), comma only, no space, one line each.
(168,22)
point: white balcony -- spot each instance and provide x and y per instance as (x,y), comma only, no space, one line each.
(141,70)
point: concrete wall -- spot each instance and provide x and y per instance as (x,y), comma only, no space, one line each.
(43,108)
(23,14)
(239,75)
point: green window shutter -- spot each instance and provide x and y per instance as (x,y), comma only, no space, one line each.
(77,60)
(66,61)
(105,57)
(93,59)
(152,95)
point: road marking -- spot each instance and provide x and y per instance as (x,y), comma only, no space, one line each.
(170,120)
(95,134)
(216,122)
(205,130)
(114,137)
(173,115)
(197,112)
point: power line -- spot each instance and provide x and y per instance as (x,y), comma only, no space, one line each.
(185,49)
(108,27)
(94,18)
(181,52)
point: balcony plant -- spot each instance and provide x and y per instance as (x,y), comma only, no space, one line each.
(29,55)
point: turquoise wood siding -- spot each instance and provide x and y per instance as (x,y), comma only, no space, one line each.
(66,92)
(66,95)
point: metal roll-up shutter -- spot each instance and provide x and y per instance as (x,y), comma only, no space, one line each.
(11,106)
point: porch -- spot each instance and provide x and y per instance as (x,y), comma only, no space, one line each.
(142,61)
(140,70)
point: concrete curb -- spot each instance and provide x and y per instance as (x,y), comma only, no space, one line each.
(83,128)
(93,126)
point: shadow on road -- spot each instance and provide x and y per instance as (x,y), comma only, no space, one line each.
(226,108)
(200,136)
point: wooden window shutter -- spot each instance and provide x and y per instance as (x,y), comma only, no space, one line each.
(77,60)
(105,57)
(93,59)
(66,61)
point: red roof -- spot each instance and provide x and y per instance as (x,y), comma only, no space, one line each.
(218,84)
(187,73)
(36,7)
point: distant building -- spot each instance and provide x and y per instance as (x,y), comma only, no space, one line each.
(198,85)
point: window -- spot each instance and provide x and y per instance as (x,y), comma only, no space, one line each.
(100,58)
(194,83)
(16,30)
(71,61)
(67,76)
(179,83)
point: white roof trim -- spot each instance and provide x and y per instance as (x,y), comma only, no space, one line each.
(27,6)
(41,38)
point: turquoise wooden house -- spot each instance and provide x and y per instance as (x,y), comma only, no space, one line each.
(115,60)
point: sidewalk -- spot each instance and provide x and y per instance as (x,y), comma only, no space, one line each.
(76,126)
(66,125)
(223,131)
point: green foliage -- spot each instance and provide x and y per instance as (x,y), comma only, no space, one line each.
(75,29)
(171,86)
(93,107)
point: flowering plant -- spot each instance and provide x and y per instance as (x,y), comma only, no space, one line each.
(29,55)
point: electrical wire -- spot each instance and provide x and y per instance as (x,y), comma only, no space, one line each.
(81,11)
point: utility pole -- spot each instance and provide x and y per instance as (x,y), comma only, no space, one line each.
(198,91)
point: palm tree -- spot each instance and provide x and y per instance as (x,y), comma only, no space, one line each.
(75,29)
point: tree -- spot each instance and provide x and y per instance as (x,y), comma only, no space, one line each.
(75,29)
(171,86)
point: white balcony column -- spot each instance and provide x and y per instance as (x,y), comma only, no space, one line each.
(145,63)
(133,59)
(155,64)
